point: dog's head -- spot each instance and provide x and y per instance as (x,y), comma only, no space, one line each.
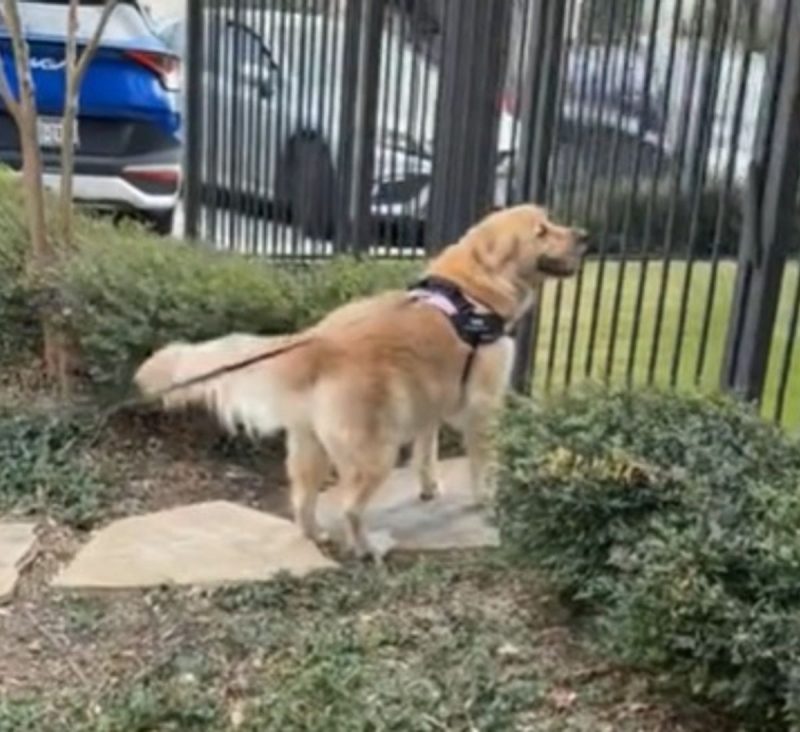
(522,244)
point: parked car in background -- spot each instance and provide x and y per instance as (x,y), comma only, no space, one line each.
(273,86)
(128,142)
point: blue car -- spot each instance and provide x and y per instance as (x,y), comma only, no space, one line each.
(128,138)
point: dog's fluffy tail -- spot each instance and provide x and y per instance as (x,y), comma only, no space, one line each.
(258,397)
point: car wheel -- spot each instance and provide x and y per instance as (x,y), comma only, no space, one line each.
(160,222)
(305,185)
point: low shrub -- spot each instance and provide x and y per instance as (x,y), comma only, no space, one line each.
(130,293)
(674,520)
(124,292)
(42,472)
(19,331)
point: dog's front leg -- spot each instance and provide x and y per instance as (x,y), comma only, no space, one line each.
(425,461)
(477,435)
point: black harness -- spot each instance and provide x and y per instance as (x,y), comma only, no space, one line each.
(475,328)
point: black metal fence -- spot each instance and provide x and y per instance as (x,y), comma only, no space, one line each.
(668,128)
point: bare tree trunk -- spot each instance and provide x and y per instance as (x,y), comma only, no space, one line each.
(23,112)
(75,71)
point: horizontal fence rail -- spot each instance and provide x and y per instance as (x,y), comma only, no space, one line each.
(385,127)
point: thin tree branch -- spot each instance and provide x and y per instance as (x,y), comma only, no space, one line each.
(14,23)
(75,70)
(6,95)
(72,36)
(94,42)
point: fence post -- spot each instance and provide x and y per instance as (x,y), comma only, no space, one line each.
(538,120)
(193,121)
(467,112)
(769,208)
(358,122)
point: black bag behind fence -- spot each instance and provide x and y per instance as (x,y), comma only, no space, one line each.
(666,127)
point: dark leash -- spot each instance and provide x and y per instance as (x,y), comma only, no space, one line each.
(141,400)
(474,328)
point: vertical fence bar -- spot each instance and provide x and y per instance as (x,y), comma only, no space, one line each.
(467,113)
(193,162)
(646,254)
(572,191)
(699,162)
(602,254)
(726,197)
(563,204)
(627,224)
(768,220)
(671,234)
(788,353)
(539,114)
(357,128)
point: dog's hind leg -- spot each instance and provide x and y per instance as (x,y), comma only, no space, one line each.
(308,466)
(477,435)
(363,464)
(362,481)
(425,460)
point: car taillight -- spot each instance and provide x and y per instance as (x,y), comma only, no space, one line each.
(166,67)
(164,179)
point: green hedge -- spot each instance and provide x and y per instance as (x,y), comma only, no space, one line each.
(18,329)
(126,292)
(675,522)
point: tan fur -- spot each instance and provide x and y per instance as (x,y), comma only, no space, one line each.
(379,372)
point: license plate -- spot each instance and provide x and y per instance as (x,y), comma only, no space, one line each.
(51,132)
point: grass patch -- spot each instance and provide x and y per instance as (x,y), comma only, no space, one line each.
(559,309)
(456,643)
(43,472)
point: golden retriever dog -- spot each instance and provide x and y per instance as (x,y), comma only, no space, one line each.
(380,372)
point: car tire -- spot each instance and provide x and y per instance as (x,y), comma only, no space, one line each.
(305,186)
(161,223)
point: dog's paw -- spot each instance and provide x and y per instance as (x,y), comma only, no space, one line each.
(375,546)
(430,490)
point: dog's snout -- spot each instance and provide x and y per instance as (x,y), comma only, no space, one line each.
(582,240)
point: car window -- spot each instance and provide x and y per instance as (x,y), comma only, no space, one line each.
(173,35)
(247,45)
(50,19)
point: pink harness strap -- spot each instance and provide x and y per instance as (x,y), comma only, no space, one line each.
(435,299)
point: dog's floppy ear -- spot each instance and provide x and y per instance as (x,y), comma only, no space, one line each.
(493,252)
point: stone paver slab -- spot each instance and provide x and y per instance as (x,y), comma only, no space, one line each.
(210,543)
(449,521)
(17,548)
